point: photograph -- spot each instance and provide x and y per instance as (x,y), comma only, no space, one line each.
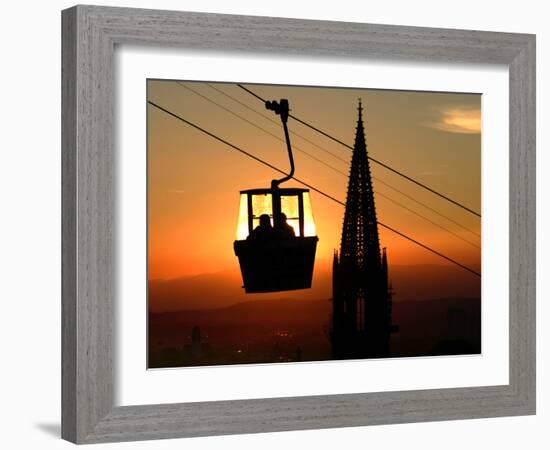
(304,223)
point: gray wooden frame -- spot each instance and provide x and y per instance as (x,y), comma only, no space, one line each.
(89,36)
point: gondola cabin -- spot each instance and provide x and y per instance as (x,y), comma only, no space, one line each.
(276,239)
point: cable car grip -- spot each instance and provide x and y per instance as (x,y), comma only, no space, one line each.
(281,108)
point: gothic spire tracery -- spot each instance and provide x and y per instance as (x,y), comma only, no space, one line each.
(361,313)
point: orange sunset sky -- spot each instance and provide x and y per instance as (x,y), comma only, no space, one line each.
(194,181)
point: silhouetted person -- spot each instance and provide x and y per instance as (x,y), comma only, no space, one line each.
(282,229)
(263,231)
(196,346)
(196,334)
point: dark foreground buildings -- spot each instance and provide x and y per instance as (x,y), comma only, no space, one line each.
(361,310)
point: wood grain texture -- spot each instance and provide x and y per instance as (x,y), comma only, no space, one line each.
(68,226)
(89,36)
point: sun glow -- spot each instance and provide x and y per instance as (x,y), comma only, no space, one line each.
(242,224)
(262,204)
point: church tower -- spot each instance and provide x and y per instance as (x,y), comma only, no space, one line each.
(361,310)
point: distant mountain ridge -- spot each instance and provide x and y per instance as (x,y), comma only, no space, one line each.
(295,310)
(223,289)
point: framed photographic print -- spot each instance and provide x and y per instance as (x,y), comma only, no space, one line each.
(264,229)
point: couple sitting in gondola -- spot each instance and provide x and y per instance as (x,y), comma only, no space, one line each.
(264,231)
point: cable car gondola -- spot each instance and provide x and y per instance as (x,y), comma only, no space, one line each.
(276,240)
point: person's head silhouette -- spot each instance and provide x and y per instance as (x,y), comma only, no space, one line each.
(265,221)
(283,228)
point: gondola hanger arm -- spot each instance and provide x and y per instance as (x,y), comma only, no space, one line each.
(281,108)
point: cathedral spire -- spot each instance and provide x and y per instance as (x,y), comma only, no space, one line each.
(360,244)
(361,310)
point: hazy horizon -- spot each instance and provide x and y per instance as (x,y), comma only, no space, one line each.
(223,288)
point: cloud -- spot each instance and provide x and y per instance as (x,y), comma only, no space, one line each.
(465,120)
